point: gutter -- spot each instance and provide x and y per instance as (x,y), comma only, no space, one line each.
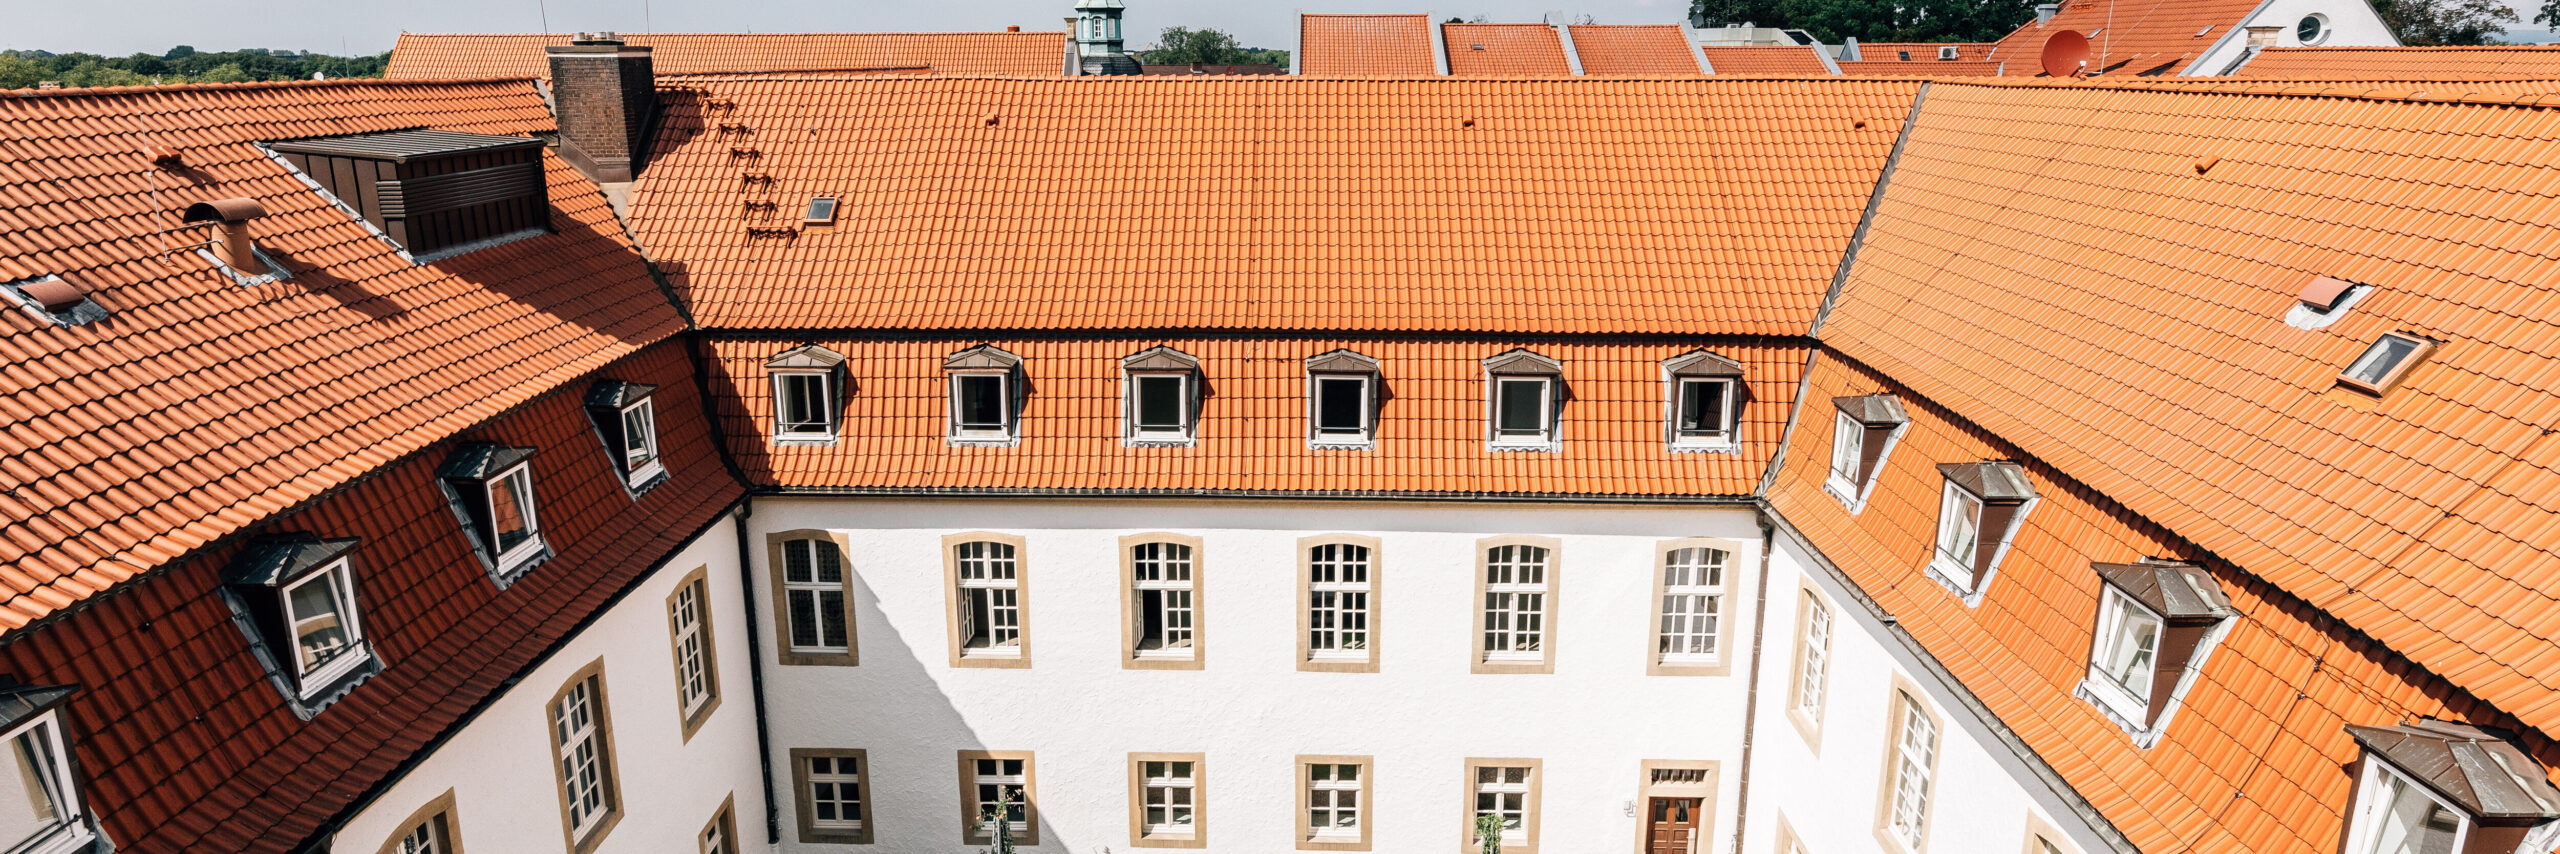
(965,493)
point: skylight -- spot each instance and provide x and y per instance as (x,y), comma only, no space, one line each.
(2385,363)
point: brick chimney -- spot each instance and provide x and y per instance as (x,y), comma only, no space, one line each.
(604,92)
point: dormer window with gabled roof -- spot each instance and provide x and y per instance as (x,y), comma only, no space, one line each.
(1979,510)
(626,418)
(2440,787)
(1160,397)
(2386,363)
(491,489)
(1703,396)
(2157,621)
(1343,389)
(45,814)
(294,597)
(1524,394)
(1864,430)
(986,396)
(808,395)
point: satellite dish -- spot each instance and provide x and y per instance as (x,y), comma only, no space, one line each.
(2066,53)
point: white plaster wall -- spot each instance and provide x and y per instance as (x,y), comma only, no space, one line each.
(1827,788)
(506,795)
(2352,23)
(1592,722)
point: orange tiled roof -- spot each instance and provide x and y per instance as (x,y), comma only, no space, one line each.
(1504,50)
(2157,37)
(2500,62)
(1365,46)
(1633,50)
(1270,203)
(2050,263)
(1778,59)
(1890,68)
(1923,51)
(444,56)
(199,405)
(1431,427)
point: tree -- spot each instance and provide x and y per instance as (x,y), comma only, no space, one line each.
(999,830)
(229,72)
(180,52)
(2549,16)
(2453,22)
(1489,833)
(1184,46)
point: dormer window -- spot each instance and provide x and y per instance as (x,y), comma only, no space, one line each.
(1864,430)
(1704,390)
(1521,408)
(1160,393)
(986,384)
(808,394)
(2157,620)
(44,815)
(1342,393)
(2439,787)
(294,596)
(626,418)
(491,488)
(1979,510)
(2386,363)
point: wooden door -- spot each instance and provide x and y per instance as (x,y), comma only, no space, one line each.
(1675,821)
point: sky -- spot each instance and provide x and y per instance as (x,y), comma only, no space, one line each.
(370,26)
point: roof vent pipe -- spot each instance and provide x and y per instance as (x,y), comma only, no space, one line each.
(233,247)
(2044,12)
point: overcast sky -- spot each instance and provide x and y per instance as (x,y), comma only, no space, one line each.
(119,27)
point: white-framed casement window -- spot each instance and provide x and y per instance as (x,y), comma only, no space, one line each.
(1163,608)
(640,460)
(1703,396)
(1342,399)
(491,489)
(1167,796)
(515,528)
(430,830)
(428,837)
(582,757)
(45,815)
(1910,773)
(1341,592)
(1864,430)
(2398,815)
(2127,646)
(1979,510)
(812,589)
(1523,390)
(987,599)
(626,418)
(696,665)
(1507,790)
(998,785)
(1689,620)
(2157,622)
(1160,392)
(1516,586)
(834,801)
(808,394)
(1813,665)
(328,634)
(1333,799)
(984,383)
(2428,786)
(294,597)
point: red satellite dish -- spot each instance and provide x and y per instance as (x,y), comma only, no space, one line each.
(2066,53)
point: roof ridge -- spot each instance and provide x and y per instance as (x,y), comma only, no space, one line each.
(151,88)
(2379,90)
(793,34)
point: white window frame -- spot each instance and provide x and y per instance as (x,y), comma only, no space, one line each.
(1501,786)
(2373,802)
(978,803)
(581,757)
(686,619)
(1170,555)
(510,560)
(1328,619)
(992,588)
(1544,437)
(1005,416)
(71,831)
(1813,658)
(815,589)
(339,576)
(1151,785)
(1326,796)
(1912,778)
(1186,427)
(1363,437)
(1848,448)
(426,837)
(1707,599)
(838,779)
(827,407)
(655,465)
(1718,439)
(1514,592)
(1956,567)
(2115,611)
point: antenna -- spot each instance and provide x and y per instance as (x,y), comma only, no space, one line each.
(545,10)
(2065,54)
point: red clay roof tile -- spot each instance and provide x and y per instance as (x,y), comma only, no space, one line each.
(1365,46)
(1633,50)
(447,56)
(2127,38)
(2493,62)
(1504,50)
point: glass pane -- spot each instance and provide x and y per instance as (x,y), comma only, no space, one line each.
(981,401)
(2377,362)
(638,427)
(319,630)
(1523,408)
(509,499)
(1159,403)
(1339,406)
(1847,441)
(1701,407)
(27,807)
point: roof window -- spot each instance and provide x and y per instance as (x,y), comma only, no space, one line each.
(434,194)
(294,596)
(491,490)
(626,418)
(821,213)
(52,298)
(2157,620)
(1343,389)
(1979,511)
(1863,431)
(808,395)
(986,396)
(2437,786)
(1703,391)
(2386,363)
(1160,397)
(46,814)
(1525,394)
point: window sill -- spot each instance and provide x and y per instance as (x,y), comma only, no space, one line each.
(2120,706)
(983,440)
(647,478)
(1363,443)
(1957,579)
(1512,447)
(1699,665)
(522,559)
(1849,494)
(1514,663)
(1706,446)
(1160,441)
(828,439)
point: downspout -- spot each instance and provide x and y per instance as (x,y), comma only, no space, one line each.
(755,673)
(1751,695)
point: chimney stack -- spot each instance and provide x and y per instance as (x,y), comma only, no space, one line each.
(604,93)
(232,247)
(2044,12)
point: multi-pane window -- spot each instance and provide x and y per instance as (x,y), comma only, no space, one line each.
(981,407)
(1692,605)
(1703,412)
(320,613)
(426,838)
(579,744)
(804,405)
(1515,603)
(1338,588)
(640,443)
(41,812)
(999,785)
(1979,509)
(990,598)
(1341,407)
(689,627)
(813,585)
(1159,407)
(626,418)
(1167,797)
(1915,748)
(1161,587)
(721,835)
(1813,659)
(294,597)
(835,793)
(1333,801)
(1522,411)
(1502,791)
(2395,815)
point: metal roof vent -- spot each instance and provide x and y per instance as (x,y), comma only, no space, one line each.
(53,299)
(231,247)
